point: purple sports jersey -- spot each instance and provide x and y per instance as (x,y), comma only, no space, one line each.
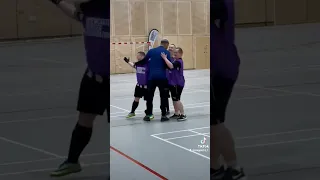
(142,74)
(225,60)
(176,76)
(96,41)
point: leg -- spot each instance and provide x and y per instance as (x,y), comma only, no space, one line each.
(150,95)
(93,101)
(222,142)
(174,94)
(163,89)
(168,104)
(180,107)
(138,93)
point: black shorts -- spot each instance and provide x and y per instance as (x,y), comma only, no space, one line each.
(176,92)
(220,93)
(94,96)
(140,92)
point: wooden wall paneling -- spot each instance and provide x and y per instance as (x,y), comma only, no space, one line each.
(172,39)
(201,60)
(35,19)
(186,43)
(208,18)
(169,18)
(250,11)
(270,10)
(198,17)
(121,18)
(138,18)
(313,11)
(154,16)
(139,47)
(8,27)
(290,12)
(184,18)
(76,27)
(122,51)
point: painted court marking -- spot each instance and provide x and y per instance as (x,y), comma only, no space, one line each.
(167,140)
(138,163)
(30,147)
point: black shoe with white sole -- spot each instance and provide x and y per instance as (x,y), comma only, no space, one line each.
(182,117)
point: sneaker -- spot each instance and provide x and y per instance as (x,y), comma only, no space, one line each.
(130,115)
(168,113)
(174,116)
(66,168)
(235,174)
(148,117)
(164,118)
(217,174)
(182,117)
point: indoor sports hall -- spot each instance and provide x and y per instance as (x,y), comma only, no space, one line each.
(273,114)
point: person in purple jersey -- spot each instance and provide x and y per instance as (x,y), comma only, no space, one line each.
(171,49)
(141,86)
(225,64)
(93,97)
(176,82)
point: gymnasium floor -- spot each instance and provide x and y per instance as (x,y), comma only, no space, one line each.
(274,114)
(38,96)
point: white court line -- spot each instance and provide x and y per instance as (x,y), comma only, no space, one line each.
(280,90)
(50,159)
(279,133)
(38,119)
(181,147)
(186,105)
(200,134)
(278,143)
(50,169)
(181,137)
(185,130)
(157,111)
(241,147)
(30,147)
(157,95)
(244,137)
(119,108)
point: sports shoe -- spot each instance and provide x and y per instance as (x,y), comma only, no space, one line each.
(182,117)
(66,168)
(235,174)
(164,118)
(168,113)
(148,117)
(130,115)
(217,174)
(174,116)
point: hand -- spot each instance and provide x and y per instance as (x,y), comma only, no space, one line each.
(163,55)
(56,2)
(126,59)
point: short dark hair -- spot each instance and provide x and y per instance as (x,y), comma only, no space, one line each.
(179,50)
(164,41)
(142,53)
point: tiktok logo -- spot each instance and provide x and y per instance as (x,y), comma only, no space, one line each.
(203,141)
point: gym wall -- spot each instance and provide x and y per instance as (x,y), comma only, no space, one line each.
(183,23)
